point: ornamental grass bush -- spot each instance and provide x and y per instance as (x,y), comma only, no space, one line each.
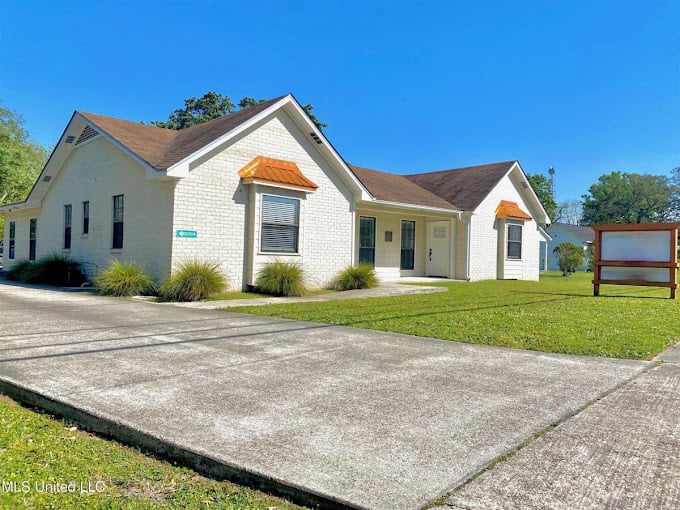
(124,279)
(356,277)
(19,271)
(193,281)
(281,279)
(56,269)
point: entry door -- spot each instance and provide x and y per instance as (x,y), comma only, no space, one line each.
(438,248)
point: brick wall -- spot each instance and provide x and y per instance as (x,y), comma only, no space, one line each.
(226,213)
(95,172)
(488,236)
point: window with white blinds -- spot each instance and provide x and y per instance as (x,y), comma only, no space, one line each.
(280,224)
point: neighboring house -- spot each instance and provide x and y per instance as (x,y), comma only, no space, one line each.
(565,233)
(263,184)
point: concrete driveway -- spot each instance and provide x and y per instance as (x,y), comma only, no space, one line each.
(333,415)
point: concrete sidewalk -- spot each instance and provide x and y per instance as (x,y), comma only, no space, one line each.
(622,452)
(339,416)
(385,289)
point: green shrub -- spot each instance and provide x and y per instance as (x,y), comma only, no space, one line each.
(124,279)
(193,280)
(356,277)
(569,257)
(19,270)
(281,279)
(56,269)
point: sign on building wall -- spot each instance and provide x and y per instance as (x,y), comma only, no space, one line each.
(636,254)
(189,234)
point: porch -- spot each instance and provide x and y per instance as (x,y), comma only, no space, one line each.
(403,243)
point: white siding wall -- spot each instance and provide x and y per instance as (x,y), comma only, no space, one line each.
(488,259)
(214,202)
(388,254)
(96,171)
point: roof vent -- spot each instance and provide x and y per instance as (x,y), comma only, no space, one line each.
(47,178)
(316,138)
(87,134)
(69,139)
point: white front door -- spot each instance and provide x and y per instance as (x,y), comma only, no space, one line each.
(438,254)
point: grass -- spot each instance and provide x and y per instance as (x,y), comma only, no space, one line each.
(192,281)
(228,296)
(124,279)
(36,448)
(56,269)
(280,278)
(558,314)
(356,277)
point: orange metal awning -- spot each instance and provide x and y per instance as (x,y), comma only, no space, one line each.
(275,171)
(507,209)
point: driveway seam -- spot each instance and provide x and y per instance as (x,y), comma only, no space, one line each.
(440,502)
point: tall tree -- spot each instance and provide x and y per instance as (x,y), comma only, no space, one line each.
(570,212)
(543,189)
(212,105)
(621,197)
(21,160)
(675,195)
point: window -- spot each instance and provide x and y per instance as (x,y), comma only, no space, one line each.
(86,217)
(280,224)
(12,237)
(32,231)
(515,242)
(366,240)
(118,206)
(68,214)
(408,244)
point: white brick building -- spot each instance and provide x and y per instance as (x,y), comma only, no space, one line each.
(264,184)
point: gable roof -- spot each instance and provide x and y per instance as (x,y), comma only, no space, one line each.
(161,148)
(466,187)
(398,188)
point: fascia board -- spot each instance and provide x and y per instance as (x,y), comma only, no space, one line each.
(181,168)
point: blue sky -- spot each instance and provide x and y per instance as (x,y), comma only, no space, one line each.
(587,87)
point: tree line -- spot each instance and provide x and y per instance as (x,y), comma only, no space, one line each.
(616,197)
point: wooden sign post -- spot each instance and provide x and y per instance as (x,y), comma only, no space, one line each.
(636,254)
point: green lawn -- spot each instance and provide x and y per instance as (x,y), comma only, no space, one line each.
(35,448)
(557,314)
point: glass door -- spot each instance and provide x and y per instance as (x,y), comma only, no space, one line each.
(367,240)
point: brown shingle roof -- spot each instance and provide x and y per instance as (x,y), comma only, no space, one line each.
(465,187)
(275,170)
(397,188)
(161,148)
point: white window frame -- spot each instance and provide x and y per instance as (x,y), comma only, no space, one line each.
(508,241)
(298,225)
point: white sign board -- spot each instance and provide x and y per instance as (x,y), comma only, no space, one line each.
(641,246)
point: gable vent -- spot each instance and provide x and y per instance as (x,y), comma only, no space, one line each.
(47,178)
(87,134)
(316,138)
(69,139)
